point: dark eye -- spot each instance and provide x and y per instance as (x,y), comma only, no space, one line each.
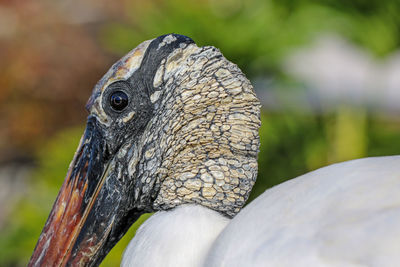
(118,100)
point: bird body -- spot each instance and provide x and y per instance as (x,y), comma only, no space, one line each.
(346,214)
(173,129)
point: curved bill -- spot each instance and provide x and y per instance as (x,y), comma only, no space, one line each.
(81,227)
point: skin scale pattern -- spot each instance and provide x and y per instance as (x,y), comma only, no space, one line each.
(201,144)
(209,150)
(188,135)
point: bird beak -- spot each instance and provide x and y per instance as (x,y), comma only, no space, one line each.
(81,228)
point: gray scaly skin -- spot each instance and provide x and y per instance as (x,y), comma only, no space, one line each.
(187,134)
(201,142)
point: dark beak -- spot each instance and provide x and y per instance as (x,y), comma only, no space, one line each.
(87,218)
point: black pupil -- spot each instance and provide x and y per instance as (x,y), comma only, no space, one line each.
(119,100)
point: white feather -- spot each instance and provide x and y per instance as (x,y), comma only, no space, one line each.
(346,214)
(180,237)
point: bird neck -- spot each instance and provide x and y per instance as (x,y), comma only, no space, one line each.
(205,134)
(179,237)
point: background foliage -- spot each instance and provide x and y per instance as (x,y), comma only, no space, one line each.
(53,53)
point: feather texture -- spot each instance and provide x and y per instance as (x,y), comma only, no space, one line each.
(346,214)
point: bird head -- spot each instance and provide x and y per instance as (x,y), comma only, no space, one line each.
(170,123)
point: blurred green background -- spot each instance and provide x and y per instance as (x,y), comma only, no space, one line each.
(327,73)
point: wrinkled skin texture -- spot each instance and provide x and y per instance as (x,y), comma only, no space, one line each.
(189,134)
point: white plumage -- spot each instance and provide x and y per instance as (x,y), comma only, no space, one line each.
(346,214)
(180,237)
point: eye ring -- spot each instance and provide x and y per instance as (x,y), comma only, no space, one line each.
(119,100)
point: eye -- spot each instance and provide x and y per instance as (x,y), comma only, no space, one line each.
(118,100)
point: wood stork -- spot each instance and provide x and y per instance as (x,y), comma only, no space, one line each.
(173,129)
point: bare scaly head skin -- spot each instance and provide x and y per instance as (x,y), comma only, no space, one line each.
(188,134)
(208,136)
